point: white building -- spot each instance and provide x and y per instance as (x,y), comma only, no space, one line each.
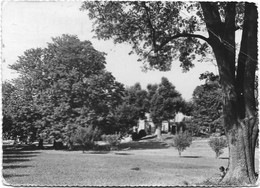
(167,126)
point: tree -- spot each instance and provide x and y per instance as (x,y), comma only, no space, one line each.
(164,104)
(181,141)
(8,122)
(137,97)
(161,31)
(207,105)
(217,144)
(126,116)
(134,106)
(67,85)
(19,114)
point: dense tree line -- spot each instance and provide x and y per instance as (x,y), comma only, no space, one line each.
(65,87)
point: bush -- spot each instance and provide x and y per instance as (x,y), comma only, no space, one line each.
(135,136)
(112,139)
(101,147)
(218,143)
(58,145)
(142,133)
(85,136)
(181,141)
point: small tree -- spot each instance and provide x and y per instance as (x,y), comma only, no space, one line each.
(218,143)
(85,136)
(181,141)
(112,139)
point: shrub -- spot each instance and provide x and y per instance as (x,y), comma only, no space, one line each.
(85,136)
(101,147)
(139,135)
(218,143)
(142,133)
(181,141)
(58,145)
(112,139)
(135,136)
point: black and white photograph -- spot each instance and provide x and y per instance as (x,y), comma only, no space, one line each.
(129,93)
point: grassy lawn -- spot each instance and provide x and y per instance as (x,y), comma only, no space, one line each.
(143,163)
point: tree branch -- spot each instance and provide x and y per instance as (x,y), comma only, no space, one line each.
(150,25)
(211,13)
(168,39)
(230,26)
(212,19)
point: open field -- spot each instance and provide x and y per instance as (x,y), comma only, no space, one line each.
(143,163)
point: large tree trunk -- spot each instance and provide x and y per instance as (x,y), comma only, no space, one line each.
(242,139)
(40,145)
(239,105)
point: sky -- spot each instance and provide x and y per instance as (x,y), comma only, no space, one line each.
(27,25)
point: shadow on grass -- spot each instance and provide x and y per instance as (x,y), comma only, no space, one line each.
(123,154)
(135,145)
(14,175)
(190,156)
(17,156)
(223,157)
(15,160)
(17,166)
(20,152)
(12,157)
(97,152)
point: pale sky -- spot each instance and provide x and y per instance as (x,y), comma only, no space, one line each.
(27,25)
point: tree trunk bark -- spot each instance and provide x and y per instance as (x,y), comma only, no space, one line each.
(239,108)
(40,145)
(241,153)
(179,153)
(241,168)
(70,145)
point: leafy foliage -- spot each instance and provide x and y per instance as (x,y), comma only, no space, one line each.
(181,141)
(85,136)
(112,139)
(207,105)
(165,101)
(134,106)
(218,143)
(147,26)
(19,114)
(62,87)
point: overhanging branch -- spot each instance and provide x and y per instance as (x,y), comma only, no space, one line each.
(168,39)
(150,25)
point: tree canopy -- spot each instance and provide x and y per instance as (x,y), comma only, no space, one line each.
(207,104)
(166,102)
(63,86)
(148,27)
(134,106)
